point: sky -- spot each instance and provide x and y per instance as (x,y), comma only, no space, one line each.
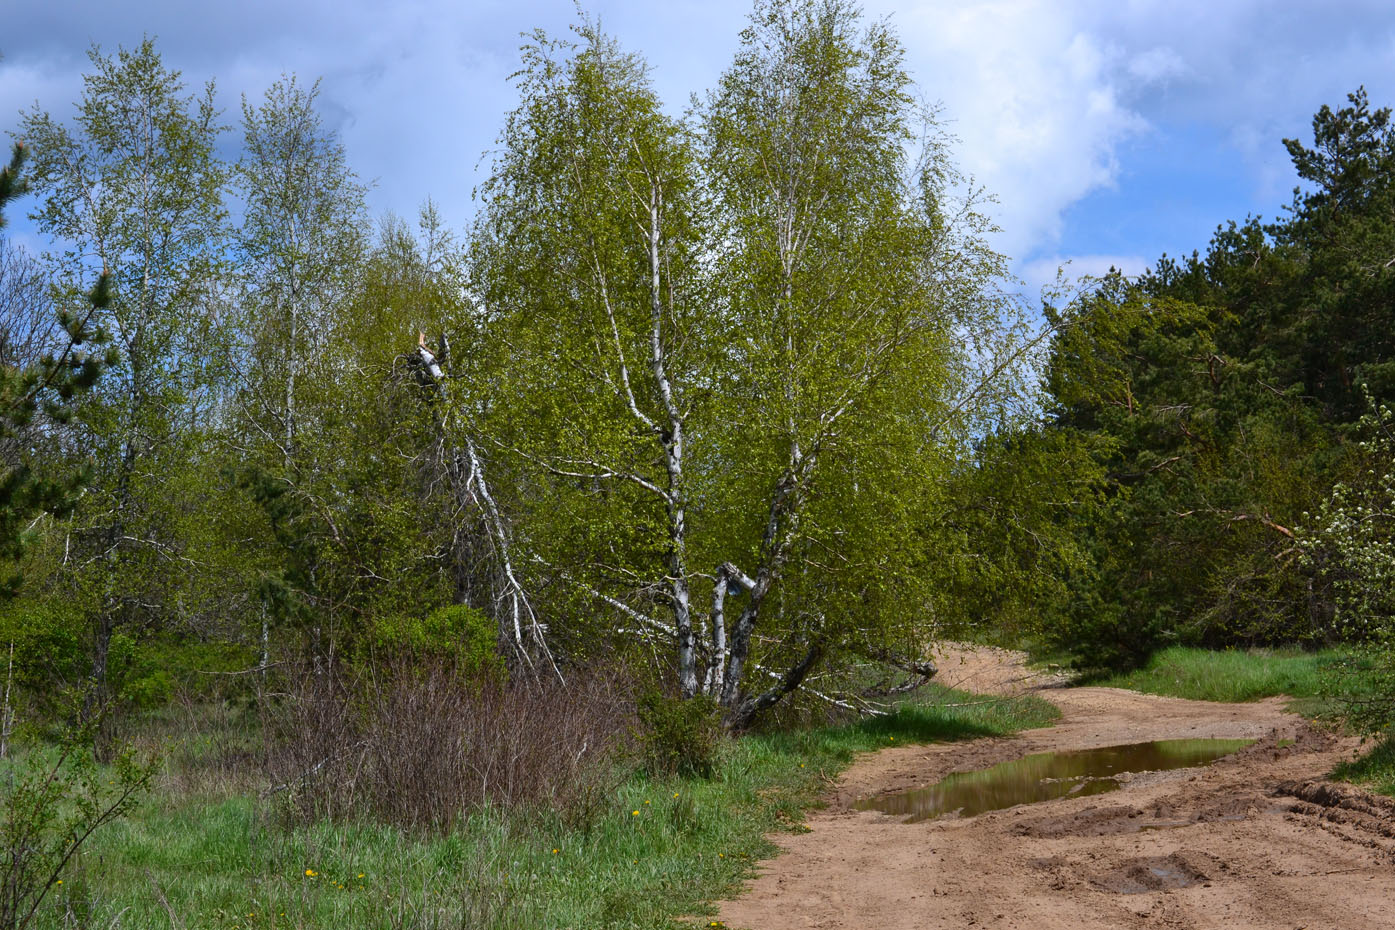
(1109,132)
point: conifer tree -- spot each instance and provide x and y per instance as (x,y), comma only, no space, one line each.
(47,388)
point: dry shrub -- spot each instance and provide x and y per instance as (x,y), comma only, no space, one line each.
(417,745)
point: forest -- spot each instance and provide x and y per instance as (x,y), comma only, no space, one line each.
(361,571)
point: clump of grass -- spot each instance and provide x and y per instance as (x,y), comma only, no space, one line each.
(660,848)
(1375,769)
(1233,675)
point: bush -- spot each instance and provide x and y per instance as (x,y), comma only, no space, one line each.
(420,744)
(49,642)
(679,737)
(51,802)
(1351,547)
(1106,637)
(458,634)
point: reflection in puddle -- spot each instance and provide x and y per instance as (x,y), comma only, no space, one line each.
(1049,775)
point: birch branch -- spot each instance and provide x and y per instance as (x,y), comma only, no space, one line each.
(602,473)
(628,611)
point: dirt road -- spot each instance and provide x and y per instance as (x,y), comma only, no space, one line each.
(1256,840)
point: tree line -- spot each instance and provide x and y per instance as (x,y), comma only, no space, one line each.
(702,396)
(741,400)
(1231,402)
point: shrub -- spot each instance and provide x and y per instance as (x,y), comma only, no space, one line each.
(1351,547)
(679,737)
(1103,637)
(458,634)
(419,744)
(49,642)
(51,802)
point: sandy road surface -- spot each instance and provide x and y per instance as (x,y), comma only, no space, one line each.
(1258,838)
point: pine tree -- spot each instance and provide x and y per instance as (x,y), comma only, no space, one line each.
(47,388)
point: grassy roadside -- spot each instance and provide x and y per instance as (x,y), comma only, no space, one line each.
(1375,769)
(1234,676)
(652,853)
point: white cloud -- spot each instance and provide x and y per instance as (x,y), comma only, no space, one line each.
(25,83)
(1035,100)
(1157,65)
(1047,96)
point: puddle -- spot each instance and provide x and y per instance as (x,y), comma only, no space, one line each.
(1047,776)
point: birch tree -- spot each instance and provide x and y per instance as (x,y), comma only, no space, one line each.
(302,242)
(735,354)
(303,234)
(133,189)
(589,266)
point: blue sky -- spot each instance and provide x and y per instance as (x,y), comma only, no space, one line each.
(1109,131)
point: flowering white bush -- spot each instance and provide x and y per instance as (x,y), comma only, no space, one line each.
(1355,531)
(1351,545)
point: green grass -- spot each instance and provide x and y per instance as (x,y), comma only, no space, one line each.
(659,851)
(1375,769)
(1233,675)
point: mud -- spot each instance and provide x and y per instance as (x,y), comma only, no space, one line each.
(1255,840)
(1155,873)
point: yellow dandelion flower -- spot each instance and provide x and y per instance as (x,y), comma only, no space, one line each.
(360,875)
(59,882)
(311,873)
(634,813)
(554,852)
(675,794)
(646,802)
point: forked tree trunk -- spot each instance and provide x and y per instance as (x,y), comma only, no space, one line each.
(519,628)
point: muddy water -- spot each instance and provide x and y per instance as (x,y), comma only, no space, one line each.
(1049,775)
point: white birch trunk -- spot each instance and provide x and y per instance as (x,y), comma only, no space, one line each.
(517,609)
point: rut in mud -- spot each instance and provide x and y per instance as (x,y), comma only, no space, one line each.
(1255,840)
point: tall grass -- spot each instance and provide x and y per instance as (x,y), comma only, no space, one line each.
(655,852)
(1341,685)
(1375,769)
(1232,675)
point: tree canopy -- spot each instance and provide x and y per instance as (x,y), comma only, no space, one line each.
(729,349)
(1220,392)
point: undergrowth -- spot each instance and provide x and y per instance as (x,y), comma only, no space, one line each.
(1375,769)
(660,850)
